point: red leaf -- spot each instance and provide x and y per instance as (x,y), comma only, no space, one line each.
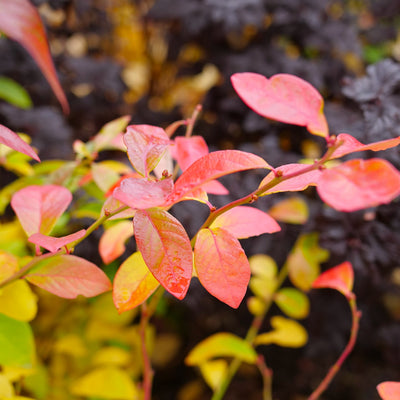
(352,145)
(243,222)
(112,242)
(213,166)
(133,283)
(221,265)
(389,390)
(139,193)
(166,249)
(215,187)
(11,139)
(146,145)
(189,149)
(39,207)
(294,184)
(358,184)
(54,244)
(340,278)
(283,97)
(69,276)
(20,21)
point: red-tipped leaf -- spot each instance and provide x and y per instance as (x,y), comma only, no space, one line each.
(243,222)
(39,207)
(283,97)
(352,145)
(11,139)
(221,265)
(358,184)
(189,149)
(112,242)
(69,276)
(340,278)
(146,145)
(54,244)
(20,21)
(212,166)
(166,249)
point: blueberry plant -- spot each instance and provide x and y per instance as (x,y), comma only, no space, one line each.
(135,201)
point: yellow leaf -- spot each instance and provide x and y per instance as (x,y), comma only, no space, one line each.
(106,383)
(9,263)
(111,356)
(263,266)
(6,389)
(293,210)
(72,345)
(18,301)
(213,372)
(285,333)
(256,306)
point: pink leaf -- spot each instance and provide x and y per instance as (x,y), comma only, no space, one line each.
(358,184)
(146,145)
(20,21)
(166,249)
(283,97)
(340,278)
(69,276)
(133,283)
(215,187)
(389,390)
(243,222)
(213,166)
(39,207)
(352,145)
(54,244)
(11,139)
(112,242)
(141,194)
(221,265)
(189,149)
(294,184)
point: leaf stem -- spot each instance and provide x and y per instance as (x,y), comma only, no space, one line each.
(356,315)
(192,120)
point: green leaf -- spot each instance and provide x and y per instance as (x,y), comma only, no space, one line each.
(285,333)
(304,261)
(13,93)
(292,302)
(16,343)
(221,345)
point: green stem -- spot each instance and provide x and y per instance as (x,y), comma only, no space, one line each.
(356,315)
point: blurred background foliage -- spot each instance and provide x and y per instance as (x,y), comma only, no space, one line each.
(155,60)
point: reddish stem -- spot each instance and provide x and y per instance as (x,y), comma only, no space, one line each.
(356,315)
(148,372)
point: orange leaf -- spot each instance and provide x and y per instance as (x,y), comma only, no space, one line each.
(133,283)
(358,184)
(166,249)
(283,97)
(69,276)
(389,390)
(340,278)
(112,242)
(221,265)
(20,21)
